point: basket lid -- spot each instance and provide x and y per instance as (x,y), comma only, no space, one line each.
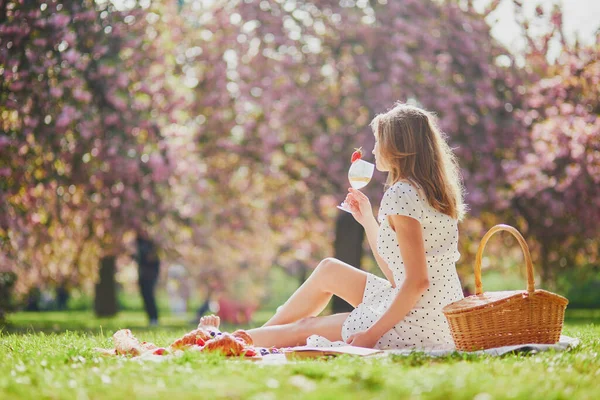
(485,299)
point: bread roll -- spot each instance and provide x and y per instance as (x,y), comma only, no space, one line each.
(126,343)
(226,344)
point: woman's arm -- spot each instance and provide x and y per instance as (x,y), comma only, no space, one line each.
(371,228)
(412,248)
(363,213)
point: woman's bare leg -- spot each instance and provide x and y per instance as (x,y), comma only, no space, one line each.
(331,277)
(295,333)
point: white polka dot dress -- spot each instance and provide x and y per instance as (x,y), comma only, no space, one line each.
(425,326)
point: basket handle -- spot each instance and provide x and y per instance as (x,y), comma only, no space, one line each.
(524,247)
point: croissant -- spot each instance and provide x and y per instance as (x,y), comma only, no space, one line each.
(197,336)
(236,344)
(226,344)
(243,336)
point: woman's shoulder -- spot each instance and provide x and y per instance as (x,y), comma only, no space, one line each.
(403,188)
(402,198)
(402,192)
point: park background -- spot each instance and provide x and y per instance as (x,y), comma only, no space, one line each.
(222,130)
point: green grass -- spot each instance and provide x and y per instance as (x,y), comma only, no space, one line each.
(37,362)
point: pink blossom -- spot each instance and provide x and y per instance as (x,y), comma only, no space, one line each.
(67,115)
(106,70)
(82,95)
(60,20)
(82,64)
(56,92)
(40,42)
(122,80)
(86,15)
(71,56)
(31,122)
(17,86)
(111,119)
(86,133)
(40,23)
(119,103)
(71,38)
(4,141)
(160,171)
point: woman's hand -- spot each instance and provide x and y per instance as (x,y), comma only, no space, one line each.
(363,339)
(360,206)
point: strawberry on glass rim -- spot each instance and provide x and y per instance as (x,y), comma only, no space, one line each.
(357,155)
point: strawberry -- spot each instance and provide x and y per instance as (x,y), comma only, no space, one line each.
(159,352)
(200,342)
(250,353)
(357,155)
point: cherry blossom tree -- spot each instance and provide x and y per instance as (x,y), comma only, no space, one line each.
(225,129)
(82,161)
(554,174)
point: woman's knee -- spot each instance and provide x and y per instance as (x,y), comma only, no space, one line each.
(325,273)
(327,266)
(336,277)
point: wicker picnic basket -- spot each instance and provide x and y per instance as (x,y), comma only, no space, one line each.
(495,319)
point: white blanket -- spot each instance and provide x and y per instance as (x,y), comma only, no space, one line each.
(564,343)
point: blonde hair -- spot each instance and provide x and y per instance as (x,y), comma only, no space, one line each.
(415,149)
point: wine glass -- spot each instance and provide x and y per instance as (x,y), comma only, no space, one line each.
(359,175)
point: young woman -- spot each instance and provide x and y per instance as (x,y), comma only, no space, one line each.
(414,240)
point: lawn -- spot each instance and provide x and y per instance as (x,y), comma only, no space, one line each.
(50,355)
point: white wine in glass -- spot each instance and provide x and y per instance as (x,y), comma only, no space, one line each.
(359,175)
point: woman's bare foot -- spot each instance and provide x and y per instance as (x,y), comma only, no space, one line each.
(210,321)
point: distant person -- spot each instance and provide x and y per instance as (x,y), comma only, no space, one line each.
(205,307)
(148,271)
(32,301)
(62,296)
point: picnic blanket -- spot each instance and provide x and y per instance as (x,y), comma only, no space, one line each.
(564,343)
(338,348)
(126,344)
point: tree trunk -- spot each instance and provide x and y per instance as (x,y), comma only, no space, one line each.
(105,302)
(302,274)
(7,283)
(349,236)
(62,296)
